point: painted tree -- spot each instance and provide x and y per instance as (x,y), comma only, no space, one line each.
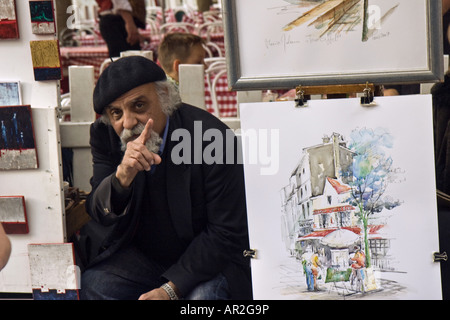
(372,172)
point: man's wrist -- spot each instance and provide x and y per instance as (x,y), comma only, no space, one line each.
(170,291)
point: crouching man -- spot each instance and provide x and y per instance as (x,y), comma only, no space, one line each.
(161,228)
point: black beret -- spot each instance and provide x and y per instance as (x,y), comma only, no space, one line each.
(123,75)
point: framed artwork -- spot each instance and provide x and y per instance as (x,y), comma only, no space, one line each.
(341,199)
(286,43)
(13,214)
(9,28)
(17,140)
(42,16)
(46,60)
(10,93)
(54,274)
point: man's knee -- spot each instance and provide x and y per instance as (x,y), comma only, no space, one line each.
(214,289)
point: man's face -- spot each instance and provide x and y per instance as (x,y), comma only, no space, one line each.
(133,109)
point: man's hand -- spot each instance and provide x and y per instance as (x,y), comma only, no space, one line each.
(137,157)
(155,294)
(132,31)
(159,293)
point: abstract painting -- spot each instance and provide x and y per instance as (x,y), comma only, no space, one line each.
(46,60)
(10,94)
(17,141)
(8,20)
(54,274)
(13,214)
(42,16)
(341,199)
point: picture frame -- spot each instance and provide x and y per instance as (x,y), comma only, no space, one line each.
(269,46)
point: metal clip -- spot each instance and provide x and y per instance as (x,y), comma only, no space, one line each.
(368,97)
(251,253)
(439,257)
(300,100)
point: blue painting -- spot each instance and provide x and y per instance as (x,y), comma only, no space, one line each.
(10,94)
(17,143)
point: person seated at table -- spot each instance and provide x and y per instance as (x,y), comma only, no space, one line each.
(180,48)
(171,222)
(5,248)
(119,23)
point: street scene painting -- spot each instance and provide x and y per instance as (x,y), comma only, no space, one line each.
(350,212)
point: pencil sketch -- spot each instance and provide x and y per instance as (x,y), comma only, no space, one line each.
(334,211)
(338,16)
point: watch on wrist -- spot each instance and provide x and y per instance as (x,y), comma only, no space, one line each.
(170,292)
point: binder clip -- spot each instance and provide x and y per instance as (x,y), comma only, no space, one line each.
(250,253)
(300,100)
(439,257)
(368,97)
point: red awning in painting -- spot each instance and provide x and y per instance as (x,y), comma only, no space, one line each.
(373,232)
(334,209)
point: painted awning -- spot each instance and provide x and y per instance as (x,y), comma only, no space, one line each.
(334,209)
(319,234)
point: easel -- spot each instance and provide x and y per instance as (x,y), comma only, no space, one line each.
(367,89)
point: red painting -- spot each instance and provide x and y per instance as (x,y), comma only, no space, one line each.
(8,20)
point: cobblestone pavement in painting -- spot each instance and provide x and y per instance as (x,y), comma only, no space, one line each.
(293,286)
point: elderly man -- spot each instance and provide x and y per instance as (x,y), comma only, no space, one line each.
(174,223)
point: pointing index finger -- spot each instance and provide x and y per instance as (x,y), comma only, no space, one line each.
(146,133)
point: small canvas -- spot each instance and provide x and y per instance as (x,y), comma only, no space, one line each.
(46,60)
(17,141)
(42,16)
(9,28)
(13,214)
(10,94)
(341,199)
(54,274)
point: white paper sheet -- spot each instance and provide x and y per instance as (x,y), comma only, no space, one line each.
(406,235)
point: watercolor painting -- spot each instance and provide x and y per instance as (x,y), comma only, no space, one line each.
(325,42)
(46,60)
(10,94)
(17,141)
(337,207)
(42,16)
(9,28)
(13,214)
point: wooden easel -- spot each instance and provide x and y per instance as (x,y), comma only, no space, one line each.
(337,91)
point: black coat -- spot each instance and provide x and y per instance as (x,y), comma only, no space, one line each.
(206,203)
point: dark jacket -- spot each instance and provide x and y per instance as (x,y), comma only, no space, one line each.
(206,203)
